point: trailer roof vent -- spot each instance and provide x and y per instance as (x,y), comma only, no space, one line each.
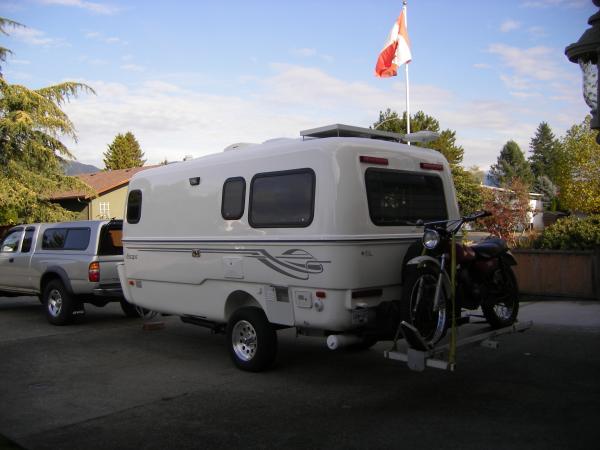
(339,130)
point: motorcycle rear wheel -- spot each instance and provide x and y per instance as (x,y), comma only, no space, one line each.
(502,307)
(417,305)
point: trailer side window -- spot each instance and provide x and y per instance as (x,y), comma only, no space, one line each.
(282,199)
(134,206)
(234,198)
(400,198)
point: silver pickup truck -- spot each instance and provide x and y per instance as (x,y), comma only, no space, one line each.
(65,264)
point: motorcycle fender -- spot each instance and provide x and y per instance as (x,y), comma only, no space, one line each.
(509,259)
(423,260)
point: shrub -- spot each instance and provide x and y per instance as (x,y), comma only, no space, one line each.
(571,233)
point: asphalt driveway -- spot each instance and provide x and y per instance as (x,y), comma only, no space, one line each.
(106,383)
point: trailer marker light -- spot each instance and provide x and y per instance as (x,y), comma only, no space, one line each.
(321,294)
(431,166)
(374,160)
(131,283)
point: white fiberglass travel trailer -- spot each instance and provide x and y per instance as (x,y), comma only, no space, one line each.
(309,233)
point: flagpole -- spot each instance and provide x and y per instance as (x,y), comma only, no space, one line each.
(406,76)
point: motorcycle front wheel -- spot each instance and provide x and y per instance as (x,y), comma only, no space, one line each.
(417,305)
(501,307)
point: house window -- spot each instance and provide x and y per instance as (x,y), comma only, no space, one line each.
(105,210)
(282,199)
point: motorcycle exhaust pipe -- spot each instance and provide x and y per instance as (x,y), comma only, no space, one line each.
(335,341)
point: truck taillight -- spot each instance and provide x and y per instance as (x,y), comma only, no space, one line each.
(94,272)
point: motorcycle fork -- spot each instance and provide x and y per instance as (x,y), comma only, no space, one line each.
(439,286)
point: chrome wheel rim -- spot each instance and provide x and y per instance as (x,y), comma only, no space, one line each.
(421,300)
(243,340)
(55,302)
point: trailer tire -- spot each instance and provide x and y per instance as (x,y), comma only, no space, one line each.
(251,340)
(131,310)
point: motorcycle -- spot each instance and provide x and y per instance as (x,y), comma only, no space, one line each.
(482,275)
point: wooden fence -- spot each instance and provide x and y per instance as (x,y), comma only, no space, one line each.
(558,273)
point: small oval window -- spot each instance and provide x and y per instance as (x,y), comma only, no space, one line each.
(134,206)
(234,194)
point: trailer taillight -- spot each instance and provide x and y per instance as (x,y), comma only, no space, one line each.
(374,160)
(94,272)
(431,166)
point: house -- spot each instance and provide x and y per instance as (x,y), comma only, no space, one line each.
(535,207)
(109,200)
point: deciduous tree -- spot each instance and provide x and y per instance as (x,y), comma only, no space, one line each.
(579,175)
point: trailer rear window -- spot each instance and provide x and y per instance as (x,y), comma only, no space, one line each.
(282,199)
(66,239)
(234,197)
(399,198)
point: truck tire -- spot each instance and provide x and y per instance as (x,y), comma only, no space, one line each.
(251,340)
(58,303)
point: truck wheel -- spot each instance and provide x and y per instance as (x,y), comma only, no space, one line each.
(58,303)
(252,340)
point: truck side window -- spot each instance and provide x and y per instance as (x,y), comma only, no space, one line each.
(234,197)
(54,239)
(282,199)
(134,206)
(398,198)
(66,239)
(10,244)
(27,240)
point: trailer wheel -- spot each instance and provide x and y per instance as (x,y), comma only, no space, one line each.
(252,340)
(58,303)
(131,310)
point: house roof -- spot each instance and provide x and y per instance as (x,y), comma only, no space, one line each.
(100,182)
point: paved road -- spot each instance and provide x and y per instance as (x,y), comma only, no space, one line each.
(106,383)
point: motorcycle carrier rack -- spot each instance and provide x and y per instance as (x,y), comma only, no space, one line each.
(419,355)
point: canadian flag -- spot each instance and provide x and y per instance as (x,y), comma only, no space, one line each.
(396,50)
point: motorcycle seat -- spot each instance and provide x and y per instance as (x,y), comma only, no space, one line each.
(490,248)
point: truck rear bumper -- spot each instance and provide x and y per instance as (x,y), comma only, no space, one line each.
(108,290)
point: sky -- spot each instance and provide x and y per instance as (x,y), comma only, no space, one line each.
(192,77)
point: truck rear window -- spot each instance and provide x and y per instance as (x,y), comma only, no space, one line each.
(398,198)
(111,237)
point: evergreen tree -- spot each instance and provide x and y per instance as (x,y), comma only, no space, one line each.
(544,152)
(511,165)
(31,126)
(123,153)
(543,185)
